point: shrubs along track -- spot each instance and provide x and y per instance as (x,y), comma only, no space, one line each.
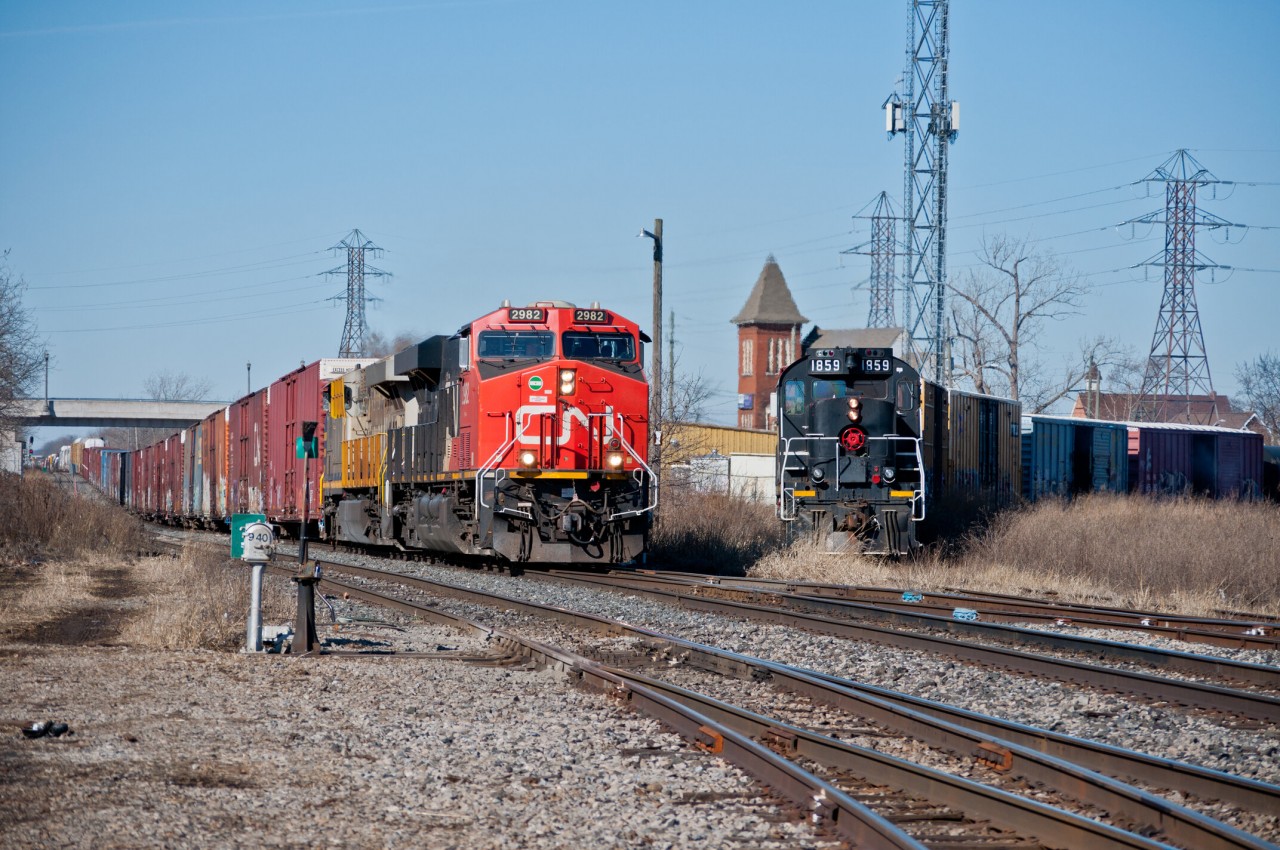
(42,519)
(71,572)
(1194,556)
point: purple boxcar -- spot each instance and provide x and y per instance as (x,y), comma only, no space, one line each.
(1220,463)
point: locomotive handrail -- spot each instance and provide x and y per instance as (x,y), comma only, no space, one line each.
(788,499)
(635,473)
(496,458)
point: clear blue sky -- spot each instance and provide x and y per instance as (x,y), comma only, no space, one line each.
(172,174)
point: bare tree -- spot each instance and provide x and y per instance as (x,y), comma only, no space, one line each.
(997,313)
(176,386)
(1260,381)
(160,386)
(688,394)
(21,351)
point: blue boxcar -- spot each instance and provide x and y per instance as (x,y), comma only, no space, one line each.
(1063,456)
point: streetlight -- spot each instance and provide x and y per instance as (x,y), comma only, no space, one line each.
(655,375)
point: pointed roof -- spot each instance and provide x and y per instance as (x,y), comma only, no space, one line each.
(770,301)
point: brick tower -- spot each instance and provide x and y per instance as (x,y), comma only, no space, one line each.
(768,342)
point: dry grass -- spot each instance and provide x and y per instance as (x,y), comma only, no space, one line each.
(199,600)
(43,519)
(1193,556)
(710,532)
(70,573)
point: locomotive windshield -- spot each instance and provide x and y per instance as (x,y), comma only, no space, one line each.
(517,345)
(587,345)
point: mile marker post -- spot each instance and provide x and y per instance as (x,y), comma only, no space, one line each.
(259,547)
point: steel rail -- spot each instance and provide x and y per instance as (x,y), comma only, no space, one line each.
(1052,826)
(825,804)
(1257,634)
(1182,825)
(1190,663)
(1257,706)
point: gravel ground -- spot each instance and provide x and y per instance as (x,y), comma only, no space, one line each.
(1185,735)
(205,749)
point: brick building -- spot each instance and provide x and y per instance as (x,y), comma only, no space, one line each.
(768,341)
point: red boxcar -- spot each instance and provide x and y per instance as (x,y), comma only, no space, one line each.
(213,469)
(292,400)
(246,453)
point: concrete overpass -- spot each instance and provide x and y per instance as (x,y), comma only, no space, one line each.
(114,413)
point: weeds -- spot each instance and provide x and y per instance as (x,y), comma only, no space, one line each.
(199,601)
(42,519)
(1193,556)
(711,532)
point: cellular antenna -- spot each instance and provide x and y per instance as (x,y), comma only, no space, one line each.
(929,122)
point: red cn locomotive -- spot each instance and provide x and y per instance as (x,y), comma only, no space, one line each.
(523,436)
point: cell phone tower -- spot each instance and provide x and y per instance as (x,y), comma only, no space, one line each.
(883,249)
(355,331)
(930,122)
(1177,376)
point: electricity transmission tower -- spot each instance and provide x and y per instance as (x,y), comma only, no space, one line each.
(930,122)
(1178,366)
(882,249)
(356,330)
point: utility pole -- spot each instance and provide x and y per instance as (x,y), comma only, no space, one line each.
(1178,366)
(355,331)
(248,378)
(930,122)
(655,376)
(46,380)
(671,369)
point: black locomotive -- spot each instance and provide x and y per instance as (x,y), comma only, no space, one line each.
(850,463)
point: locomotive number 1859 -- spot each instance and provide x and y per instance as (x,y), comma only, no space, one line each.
(877,365)
(825,365)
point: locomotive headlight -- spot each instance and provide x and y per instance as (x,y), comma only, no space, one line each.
(855,409)
(817,474)
(888,474)
(568,381)
(613,460)
(528,459)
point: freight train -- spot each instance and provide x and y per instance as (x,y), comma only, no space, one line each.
(872,459)
(522,437)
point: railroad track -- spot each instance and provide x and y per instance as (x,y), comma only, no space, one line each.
(1239,632)
(866,797)
(1022,760)
(798,612)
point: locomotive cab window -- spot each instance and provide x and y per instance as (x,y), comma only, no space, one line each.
(793,398)
(828,389)
(517,345)
(906,400)
(588,345)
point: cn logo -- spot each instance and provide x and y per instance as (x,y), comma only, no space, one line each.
(527,423)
